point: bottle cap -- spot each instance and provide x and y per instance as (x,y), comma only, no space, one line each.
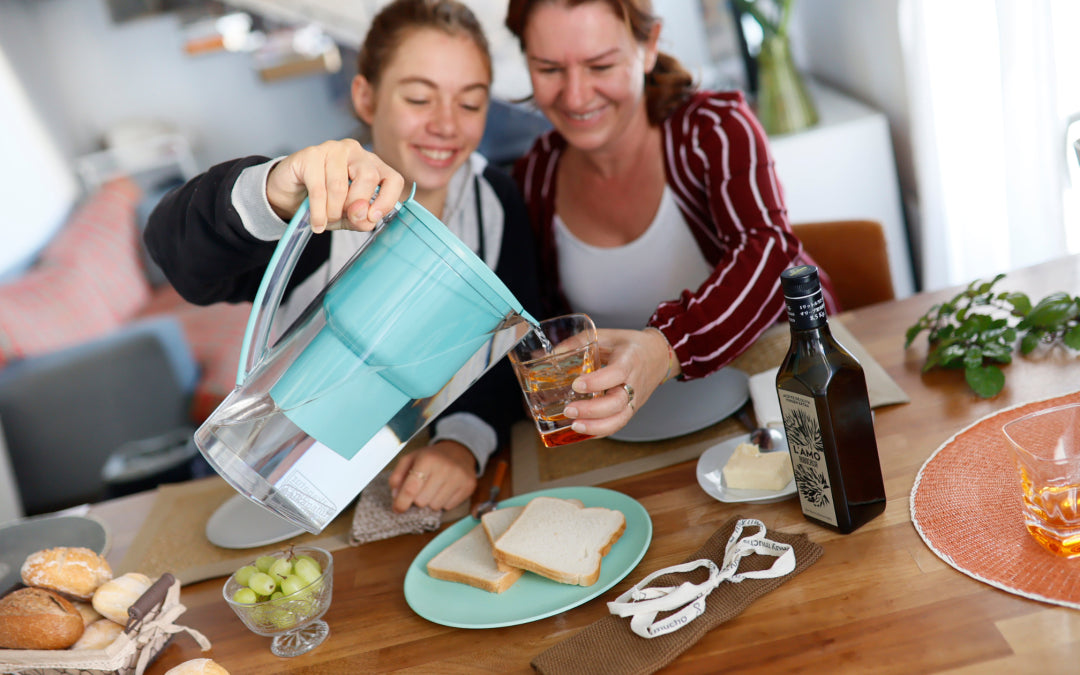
(800,281)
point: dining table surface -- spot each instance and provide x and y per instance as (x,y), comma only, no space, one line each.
(879,600)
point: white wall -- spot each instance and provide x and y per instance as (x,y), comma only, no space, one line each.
(74,75)
(683,35)
(854,46)
(87,74)
(83,74)
(36,183)
(10,500)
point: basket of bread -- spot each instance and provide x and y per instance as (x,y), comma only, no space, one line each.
(73,616)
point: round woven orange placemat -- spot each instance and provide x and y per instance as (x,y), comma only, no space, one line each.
(966,507)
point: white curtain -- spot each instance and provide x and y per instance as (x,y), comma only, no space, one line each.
(991,87)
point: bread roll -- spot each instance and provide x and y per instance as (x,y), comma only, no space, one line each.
(197,667)
(89,614)
(34,618)
(115,596)
(99,635)
(72,571)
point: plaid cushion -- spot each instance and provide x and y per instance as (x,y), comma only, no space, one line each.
(87,282)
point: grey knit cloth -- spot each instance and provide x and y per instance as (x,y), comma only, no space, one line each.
(375,518)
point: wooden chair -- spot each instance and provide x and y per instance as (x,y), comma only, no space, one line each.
(854,255)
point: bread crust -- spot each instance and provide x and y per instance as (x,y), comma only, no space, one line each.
(99,635)
(35,618)
(115,596)
(556,575)
(473,540)
(73,571)
(494,527)
(198,667)
(508,557)
(504,582)
(493,533)
(89,614)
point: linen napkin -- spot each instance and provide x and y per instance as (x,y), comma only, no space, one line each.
(609,646)
(881,388)
(766,402)
(375,518)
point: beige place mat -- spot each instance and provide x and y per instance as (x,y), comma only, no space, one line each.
(881,388)
(173,537)
(599,460)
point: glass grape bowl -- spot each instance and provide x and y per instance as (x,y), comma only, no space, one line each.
(294,620)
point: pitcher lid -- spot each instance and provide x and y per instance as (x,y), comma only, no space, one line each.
(471,267)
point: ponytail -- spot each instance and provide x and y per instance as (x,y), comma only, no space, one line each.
(667,87)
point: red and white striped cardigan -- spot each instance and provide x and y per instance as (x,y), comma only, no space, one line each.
(718,164)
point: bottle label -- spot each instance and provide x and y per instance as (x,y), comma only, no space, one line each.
(807,448)
(807,311)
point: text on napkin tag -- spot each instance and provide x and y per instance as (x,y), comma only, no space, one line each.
(642,603)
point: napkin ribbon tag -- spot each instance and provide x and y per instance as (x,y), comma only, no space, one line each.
(643,603)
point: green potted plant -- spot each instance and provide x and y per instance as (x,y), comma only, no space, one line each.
(783,103)
(979,328)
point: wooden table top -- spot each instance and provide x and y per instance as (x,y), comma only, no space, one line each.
(878,600)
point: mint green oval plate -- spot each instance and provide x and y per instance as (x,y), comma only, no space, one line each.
(533,597)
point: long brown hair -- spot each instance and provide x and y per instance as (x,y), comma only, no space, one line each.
(666,86)
(398,19)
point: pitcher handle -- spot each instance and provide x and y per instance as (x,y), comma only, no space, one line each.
(274,281)
(271,289)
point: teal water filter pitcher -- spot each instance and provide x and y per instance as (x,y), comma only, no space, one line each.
(411,321)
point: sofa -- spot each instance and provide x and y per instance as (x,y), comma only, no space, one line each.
(98,350)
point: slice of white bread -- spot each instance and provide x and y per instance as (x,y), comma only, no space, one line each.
(469,561)
(496,522)
(559,540)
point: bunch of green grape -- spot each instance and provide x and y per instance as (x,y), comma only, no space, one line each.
(273,577)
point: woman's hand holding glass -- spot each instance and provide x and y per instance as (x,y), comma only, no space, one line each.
(339,179)
(636,361)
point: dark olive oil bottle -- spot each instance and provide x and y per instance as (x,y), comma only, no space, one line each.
(827,417)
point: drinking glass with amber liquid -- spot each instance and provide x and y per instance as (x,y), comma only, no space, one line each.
(827,417)
(1046,447)
(546,362)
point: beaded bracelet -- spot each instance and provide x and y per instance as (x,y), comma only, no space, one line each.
(670,353)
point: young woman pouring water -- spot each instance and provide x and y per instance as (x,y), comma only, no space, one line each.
(424,75)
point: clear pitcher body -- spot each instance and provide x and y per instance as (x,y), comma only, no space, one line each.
(398,334)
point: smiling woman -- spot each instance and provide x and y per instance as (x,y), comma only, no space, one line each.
(424,74)
(647,189)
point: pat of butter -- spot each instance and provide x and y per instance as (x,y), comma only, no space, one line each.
(750,469)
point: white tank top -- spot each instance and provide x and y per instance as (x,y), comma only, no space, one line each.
(621,286)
